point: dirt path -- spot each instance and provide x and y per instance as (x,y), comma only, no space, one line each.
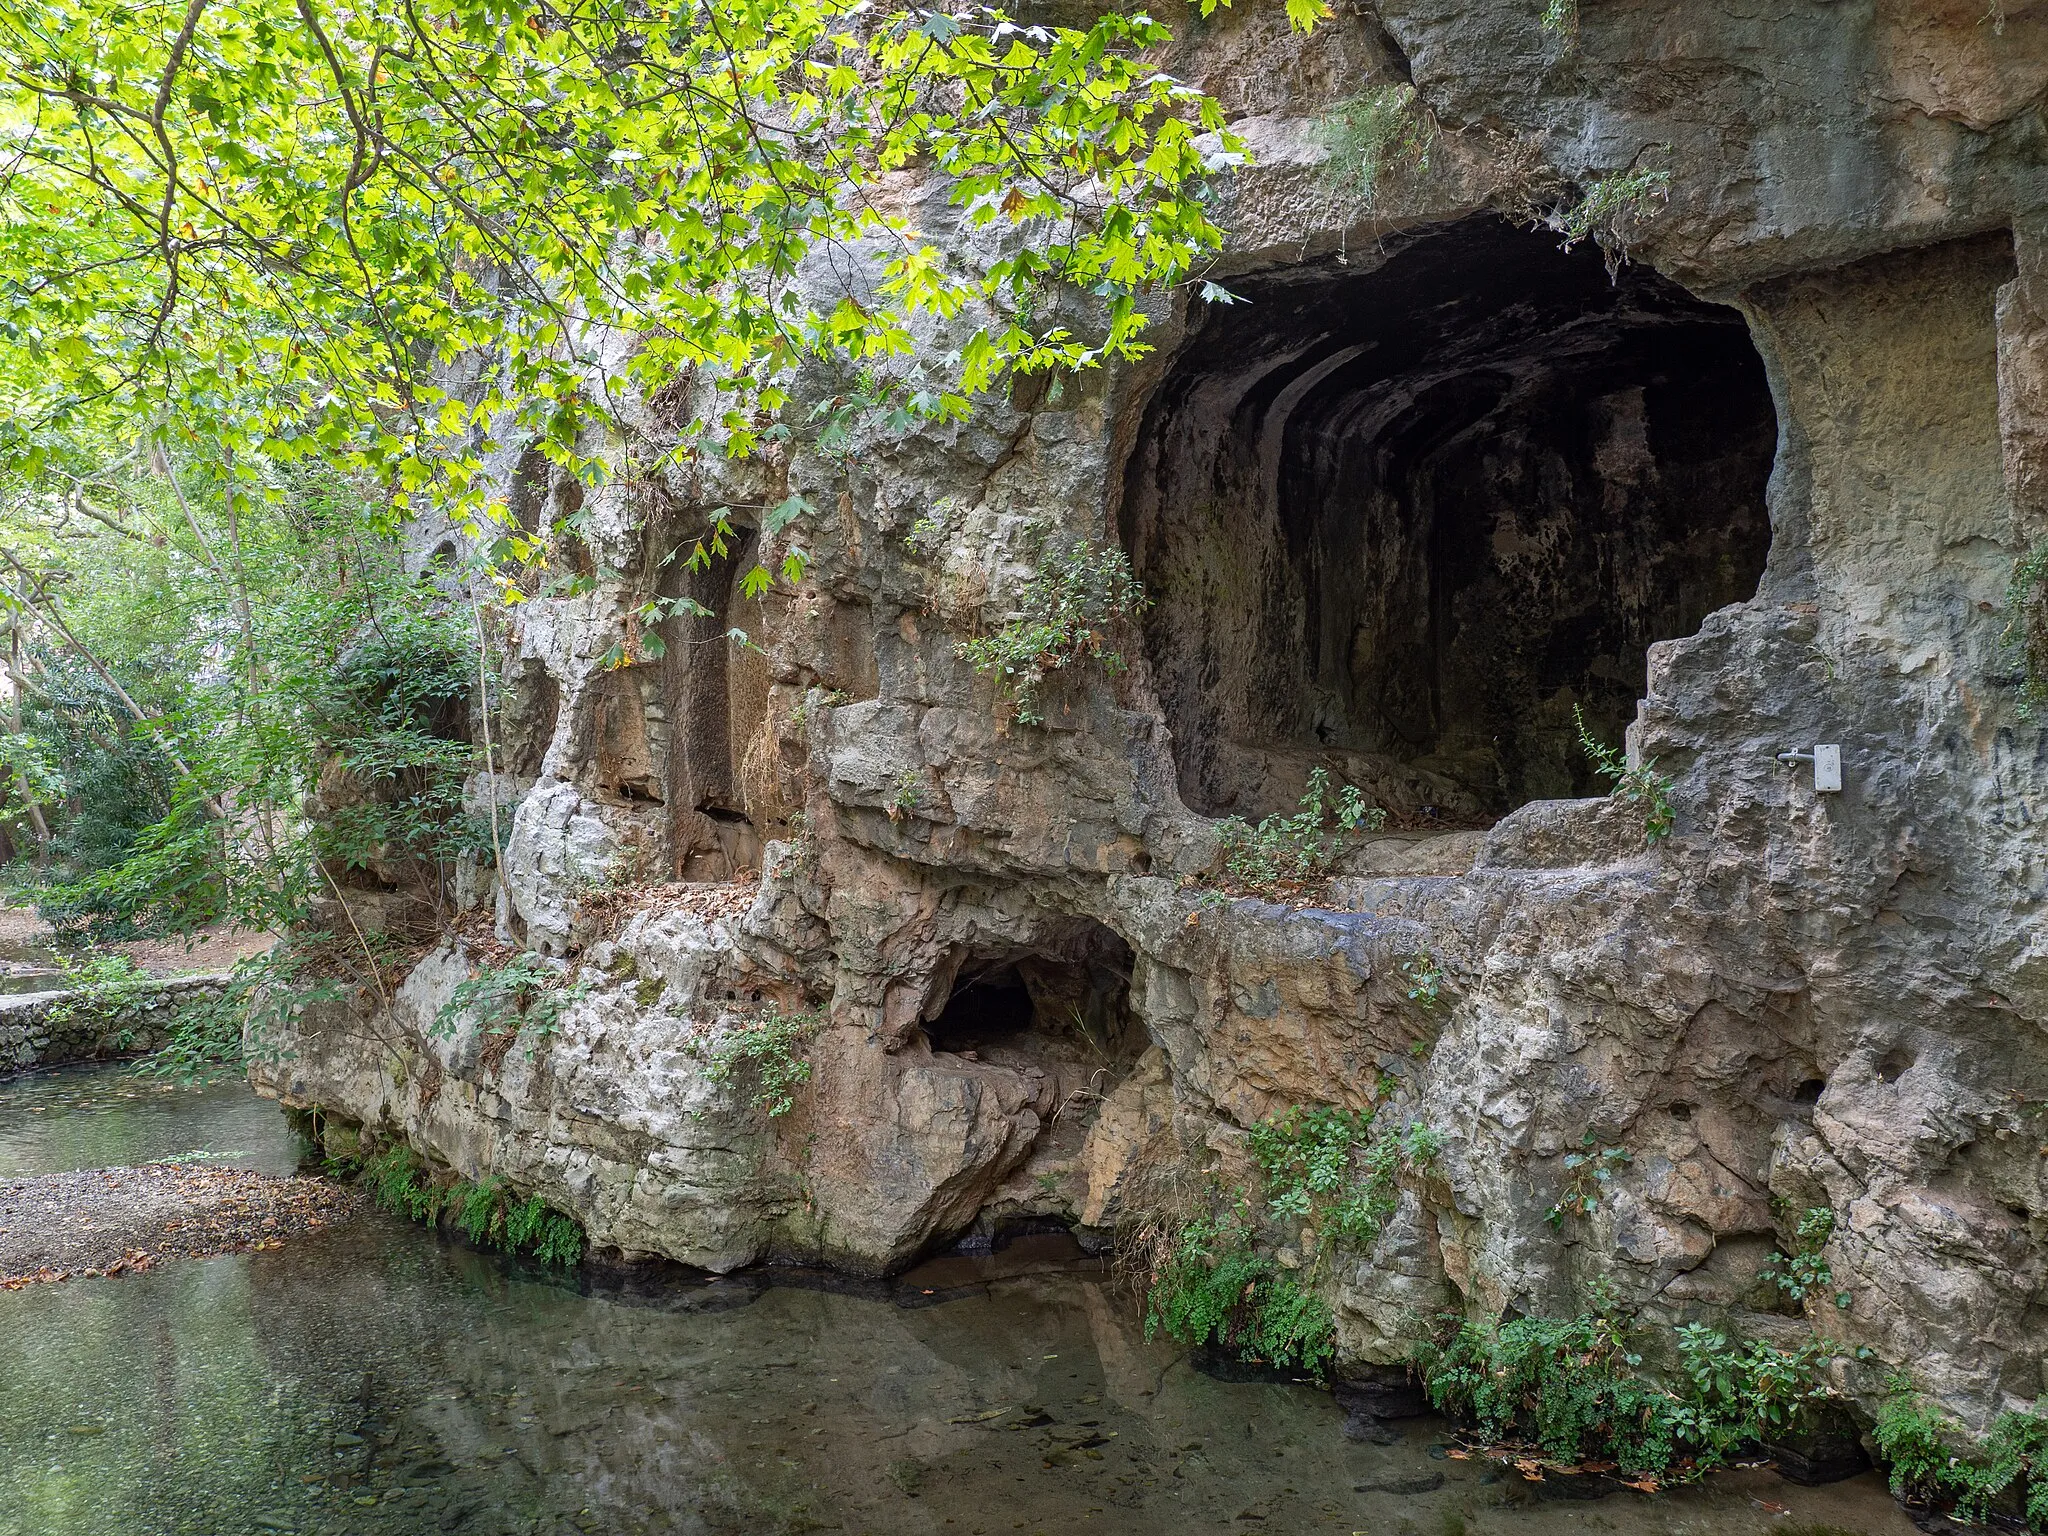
(23,934)
(104,1221)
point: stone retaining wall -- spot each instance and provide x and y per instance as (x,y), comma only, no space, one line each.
(30,1038)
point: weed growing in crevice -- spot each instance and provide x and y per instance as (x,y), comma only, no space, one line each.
(909,789)
(1806,1270)
(1283,855)
(1425,980)
(488,1213)
(768,1051)
(1608,199)
(1925,1456)
(1575,1391)
(1378,131)
(1587,1172)
(524,995)
(1639,783)
(1560,18)
(1082,594)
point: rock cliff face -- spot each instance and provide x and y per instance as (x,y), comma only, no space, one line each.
(1435,484)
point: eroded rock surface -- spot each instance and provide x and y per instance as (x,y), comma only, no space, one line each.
(1024,1005)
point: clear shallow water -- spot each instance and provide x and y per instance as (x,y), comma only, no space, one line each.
(376,1380)
(102,1116)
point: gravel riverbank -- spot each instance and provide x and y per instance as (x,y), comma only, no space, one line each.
(105,1221)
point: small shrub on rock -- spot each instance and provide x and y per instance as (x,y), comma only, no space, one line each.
(524,995)
(1283,855)
(767,1050)
(1640,784)
(1072,607)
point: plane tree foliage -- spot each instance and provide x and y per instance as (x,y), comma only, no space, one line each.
(391,234)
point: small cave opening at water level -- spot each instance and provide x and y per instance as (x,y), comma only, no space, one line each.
(1398,520)
(1061,1006)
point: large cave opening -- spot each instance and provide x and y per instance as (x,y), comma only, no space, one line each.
(1398,520)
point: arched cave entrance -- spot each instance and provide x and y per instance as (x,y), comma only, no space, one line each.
(1398,521)
(1060,1007)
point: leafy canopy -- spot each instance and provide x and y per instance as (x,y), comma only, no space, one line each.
(394,233)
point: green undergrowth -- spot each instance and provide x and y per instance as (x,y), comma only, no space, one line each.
(1215,1286)
(489,1213)
(1930,1460)
(1576,1391)
(1245,1275)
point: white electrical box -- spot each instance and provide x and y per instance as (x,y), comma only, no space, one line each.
(1827,770)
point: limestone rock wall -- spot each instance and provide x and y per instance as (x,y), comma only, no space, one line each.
(1795,1000)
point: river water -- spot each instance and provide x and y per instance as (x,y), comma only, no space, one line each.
(377,1379)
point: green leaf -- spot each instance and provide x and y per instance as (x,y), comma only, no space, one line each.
(781,515)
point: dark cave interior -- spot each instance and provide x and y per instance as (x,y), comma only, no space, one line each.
(1397,519)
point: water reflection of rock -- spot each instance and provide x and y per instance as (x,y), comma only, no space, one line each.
(1031,1403)
(377,1381)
